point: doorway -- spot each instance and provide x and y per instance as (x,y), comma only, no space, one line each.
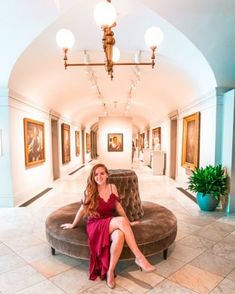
(55,148)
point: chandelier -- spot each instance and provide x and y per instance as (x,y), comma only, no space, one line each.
(105,17)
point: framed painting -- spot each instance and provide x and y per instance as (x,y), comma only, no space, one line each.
(88,143)
(141,141)
(156,139)
(65,135)
(77,143)
(34,144)
(115,142)
(191,137)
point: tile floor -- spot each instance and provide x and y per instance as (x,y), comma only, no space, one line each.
(202,260)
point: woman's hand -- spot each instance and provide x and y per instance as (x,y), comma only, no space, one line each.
(134,223)
(67,226)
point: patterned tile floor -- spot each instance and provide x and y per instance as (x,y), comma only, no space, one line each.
(202,260)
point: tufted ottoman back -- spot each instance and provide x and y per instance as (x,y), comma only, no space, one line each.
(126,182)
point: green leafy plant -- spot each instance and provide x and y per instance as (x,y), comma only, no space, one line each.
(209,180)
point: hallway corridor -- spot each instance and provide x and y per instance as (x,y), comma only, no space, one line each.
(202,260)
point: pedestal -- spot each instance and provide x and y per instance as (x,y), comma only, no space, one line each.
(158,162)
(147,156)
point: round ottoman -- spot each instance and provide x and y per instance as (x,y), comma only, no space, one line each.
(155,232)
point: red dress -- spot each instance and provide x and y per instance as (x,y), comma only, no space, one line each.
(99,239)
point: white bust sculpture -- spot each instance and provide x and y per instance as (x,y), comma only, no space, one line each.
(157,145)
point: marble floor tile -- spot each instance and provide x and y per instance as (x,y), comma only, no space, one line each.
(35,253)
(180,235)
(10,262)
(214,264)
(138,285)
(211,234)
(102,288)
(185,253)
(151,278)
(187,227)
(196,279)
(168,287)
(196,242)
(168,267)
(4,250)
(45,287)
(53,265)
(230,239)
(221,289)
(19,279)
(223,249)
(224,227)
(18,244)
(74,280)
(231,276)
(228,219)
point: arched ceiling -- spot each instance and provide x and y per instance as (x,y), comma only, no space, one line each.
(182,72)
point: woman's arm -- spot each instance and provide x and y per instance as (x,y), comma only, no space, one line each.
(76,220)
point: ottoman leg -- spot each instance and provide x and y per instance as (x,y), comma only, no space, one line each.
(165,253)
(52,251)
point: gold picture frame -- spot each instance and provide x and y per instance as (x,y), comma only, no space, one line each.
(65,135)
(34,142)
(88,143)
(190,144)
(77,143)
(115,142)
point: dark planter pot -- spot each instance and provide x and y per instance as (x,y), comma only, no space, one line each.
(207,202)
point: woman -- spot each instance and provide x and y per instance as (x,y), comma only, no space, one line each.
(106,232)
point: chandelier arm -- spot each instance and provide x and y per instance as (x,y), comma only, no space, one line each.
(132,63)
(102,64)
(85,64)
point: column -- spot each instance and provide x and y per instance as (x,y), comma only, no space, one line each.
(6,181)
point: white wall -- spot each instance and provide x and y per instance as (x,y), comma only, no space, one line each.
(27,182)
(115,125)
(207,109)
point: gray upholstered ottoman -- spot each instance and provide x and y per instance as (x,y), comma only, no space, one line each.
(156,232)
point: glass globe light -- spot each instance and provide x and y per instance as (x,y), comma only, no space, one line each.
(104,14)
(153,37)
(65,38)
(116,54)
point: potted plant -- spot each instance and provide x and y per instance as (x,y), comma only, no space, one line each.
(210,184)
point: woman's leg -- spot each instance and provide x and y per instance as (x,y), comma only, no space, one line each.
(123,224)
(118,239)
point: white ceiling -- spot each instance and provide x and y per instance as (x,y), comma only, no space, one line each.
(197,55)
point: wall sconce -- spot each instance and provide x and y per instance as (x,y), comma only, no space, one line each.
(105,17)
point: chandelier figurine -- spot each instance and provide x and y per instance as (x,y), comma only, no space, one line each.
(105,17)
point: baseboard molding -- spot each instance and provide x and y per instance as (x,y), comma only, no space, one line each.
(187,194)
(73,172)
(28,202)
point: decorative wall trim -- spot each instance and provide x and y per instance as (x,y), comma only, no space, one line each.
(35,197)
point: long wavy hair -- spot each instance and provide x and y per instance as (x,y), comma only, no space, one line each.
(91,193)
